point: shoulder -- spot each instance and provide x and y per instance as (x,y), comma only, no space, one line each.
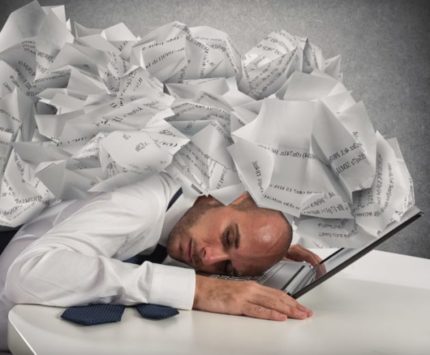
(155,190)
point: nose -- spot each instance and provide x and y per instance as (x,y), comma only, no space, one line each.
(211,255)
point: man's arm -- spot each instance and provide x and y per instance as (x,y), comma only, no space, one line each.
(75,262)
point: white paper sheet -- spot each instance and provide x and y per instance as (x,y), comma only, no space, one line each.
(97,109)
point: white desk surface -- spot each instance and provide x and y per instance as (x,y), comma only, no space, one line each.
(378,305)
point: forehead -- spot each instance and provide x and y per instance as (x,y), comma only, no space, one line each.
(259,229)
(261,243)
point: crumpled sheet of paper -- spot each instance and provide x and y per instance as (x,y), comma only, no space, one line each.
(96,109)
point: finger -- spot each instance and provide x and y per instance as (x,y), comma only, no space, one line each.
(286,299)
(297,313)
(279,301)
(272,298)
(300,254)
(268,300)
(321,270)
(315,260)
(311,258)
(258,311)
(296,306)
(270,313)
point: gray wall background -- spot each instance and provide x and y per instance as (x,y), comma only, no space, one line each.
(385,59)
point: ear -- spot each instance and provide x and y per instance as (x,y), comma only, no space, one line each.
(241,198)
(207,200)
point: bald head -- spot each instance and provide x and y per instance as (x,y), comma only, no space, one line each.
(238,239)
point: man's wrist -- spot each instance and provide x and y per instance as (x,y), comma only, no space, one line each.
(200,280)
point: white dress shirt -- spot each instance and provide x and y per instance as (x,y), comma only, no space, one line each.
(71,254)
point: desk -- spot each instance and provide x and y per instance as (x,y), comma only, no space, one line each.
(378,305)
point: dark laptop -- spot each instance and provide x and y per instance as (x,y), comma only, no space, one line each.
(297,278)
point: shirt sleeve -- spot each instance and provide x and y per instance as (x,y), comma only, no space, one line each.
(72,263)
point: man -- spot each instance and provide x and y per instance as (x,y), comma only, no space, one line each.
(73,253)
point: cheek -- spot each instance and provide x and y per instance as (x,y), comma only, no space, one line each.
(202,231)
(174,241)
(173,245)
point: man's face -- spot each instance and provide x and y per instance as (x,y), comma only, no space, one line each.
(225,240)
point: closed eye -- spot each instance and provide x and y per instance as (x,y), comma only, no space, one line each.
(228,268)
(227,242)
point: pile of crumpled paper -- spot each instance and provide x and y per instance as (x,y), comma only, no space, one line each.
(101,108)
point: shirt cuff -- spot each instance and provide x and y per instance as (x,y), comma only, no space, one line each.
(172,286)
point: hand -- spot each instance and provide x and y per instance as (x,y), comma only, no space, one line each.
(298,253)
(246,298)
